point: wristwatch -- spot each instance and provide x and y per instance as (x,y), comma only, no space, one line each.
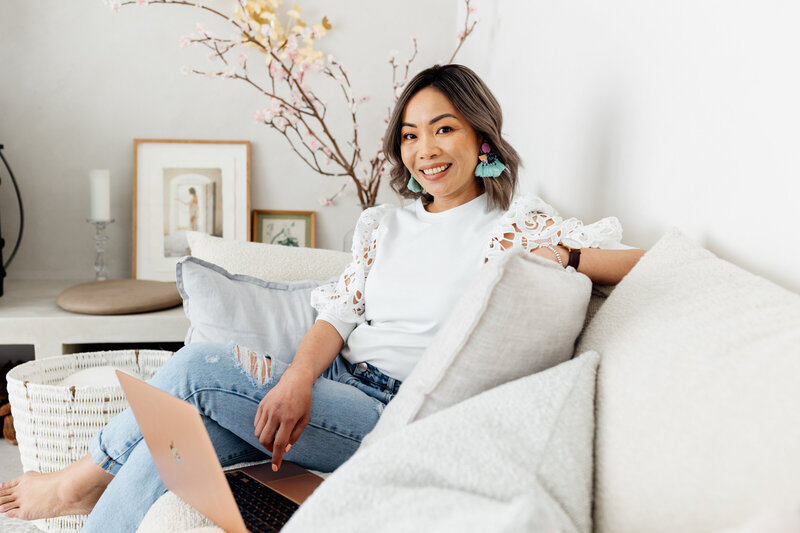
(574,256)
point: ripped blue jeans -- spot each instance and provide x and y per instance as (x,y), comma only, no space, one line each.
(226,384)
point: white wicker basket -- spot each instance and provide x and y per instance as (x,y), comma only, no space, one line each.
(55,423)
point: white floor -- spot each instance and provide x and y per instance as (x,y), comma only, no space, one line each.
(11,467)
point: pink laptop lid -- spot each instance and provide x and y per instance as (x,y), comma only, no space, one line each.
(183,452)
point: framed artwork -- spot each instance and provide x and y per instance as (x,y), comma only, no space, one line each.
(288,228)
(181,186)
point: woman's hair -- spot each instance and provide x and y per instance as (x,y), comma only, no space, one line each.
(476,103)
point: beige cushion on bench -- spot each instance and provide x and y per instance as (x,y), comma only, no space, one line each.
(119,297)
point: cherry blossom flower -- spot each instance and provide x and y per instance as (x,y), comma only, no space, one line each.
(292,108)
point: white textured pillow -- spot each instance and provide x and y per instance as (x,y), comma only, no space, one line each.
(698,426)
(784,518)
(268,261)
(263,315)
(520,315)
(514,458)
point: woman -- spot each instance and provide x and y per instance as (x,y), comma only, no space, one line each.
(410,265)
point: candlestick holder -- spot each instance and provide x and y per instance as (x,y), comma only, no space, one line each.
(100,240)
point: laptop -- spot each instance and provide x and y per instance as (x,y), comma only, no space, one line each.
(252,499)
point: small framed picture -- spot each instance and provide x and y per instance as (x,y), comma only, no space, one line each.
(181,186)
(287,228)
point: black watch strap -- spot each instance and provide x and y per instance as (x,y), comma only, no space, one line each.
(574,258)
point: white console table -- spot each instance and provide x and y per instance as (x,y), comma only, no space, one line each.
(29,315)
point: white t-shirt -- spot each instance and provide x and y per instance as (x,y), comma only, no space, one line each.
(410,267)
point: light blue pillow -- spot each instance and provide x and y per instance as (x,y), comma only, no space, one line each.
(265,316)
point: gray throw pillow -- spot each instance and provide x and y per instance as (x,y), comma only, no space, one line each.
(262,315)
(520,315)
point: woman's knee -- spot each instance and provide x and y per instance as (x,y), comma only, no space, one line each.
(190,361)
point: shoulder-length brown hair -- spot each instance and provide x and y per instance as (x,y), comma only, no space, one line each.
(473,99)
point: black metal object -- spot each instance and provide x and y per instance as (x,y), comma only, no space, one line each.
(4,265)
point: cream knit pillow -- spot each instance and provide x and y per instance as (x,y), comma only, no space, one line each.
(520,315)
(514,458)
(270,262)
(698,424)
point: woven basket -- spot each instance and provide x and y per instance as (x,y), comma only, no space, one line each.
(54,423)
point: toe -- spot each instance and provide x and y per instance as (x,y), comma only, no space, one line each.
(8,507)
(9,484)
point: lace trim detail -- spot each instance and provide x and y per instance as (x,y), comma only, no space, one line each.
(344,299)
(530,222)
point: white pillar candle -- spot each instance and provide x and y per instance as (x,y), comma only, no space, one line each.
(100,187)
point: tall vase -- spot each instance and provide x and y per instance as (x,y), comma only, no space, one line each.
(347,240)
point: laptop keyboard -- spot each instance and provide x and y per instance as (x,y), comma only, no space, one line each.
(262,508)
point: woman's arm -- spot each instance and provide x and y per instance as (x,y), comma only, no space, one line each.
(316,352)
(606,267)
(284,412)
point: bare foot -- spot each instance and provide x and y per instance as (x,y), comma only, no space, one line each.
(73,490)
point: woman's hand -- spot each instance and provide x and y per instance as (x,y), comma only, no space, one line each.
(283,414)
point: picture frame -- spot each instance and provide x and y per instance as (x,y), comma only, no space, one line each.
(186,185)
(287,228)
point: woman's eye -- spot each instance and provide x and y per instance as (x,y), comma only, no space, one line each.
(409,136)
(445,129)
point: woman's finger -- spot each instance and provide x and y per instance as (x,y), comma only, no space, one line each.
(281,440)
(298,429)
(267,436)
(258,421)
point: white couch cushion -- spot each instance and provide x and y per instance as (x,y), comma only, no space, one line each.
(270,262)
(514,458)
(698,425)
(520,315)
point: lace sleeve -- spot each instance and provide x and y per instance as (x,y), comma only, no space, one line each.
(341,303)
(530,223)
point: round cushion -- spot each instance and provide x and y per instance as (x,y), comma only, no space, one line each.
(119,297)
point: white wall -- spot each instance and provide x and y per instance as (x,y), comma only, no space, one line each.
(663,114)
(660,113)
(78,83)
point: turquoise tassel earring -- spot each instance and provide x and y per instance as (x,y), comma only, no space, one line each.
(413,185)
(489,166)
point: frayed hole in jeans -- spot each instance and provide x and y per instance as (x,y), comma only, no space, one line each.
(257,366)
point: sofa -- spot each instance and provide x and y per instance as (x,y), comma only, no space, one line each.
(675,407)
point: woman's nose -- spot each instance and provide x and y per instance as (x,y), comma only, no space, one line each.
(429,146)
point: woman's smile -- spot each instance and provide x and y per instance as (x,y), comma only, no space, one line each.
(435,172)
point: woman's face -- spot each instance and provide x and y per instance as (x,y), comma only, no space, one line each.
(440,149)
